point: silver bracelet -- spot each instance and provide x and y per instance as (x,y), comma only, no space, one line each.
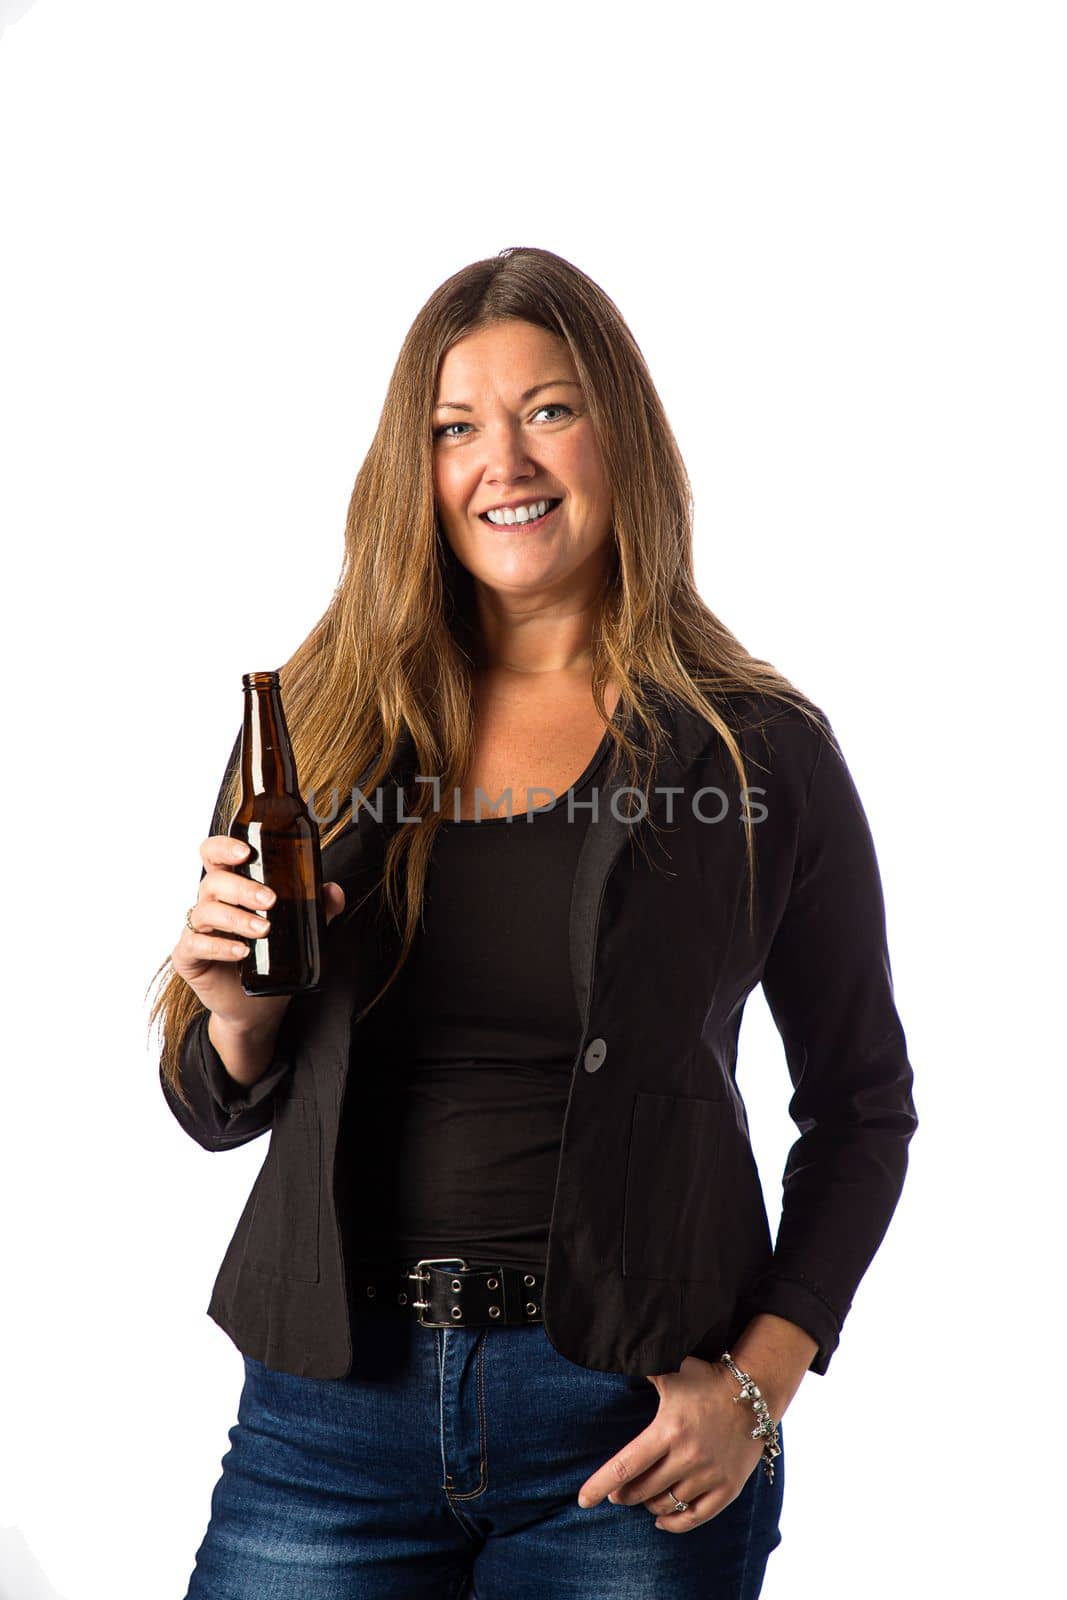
(766,1427)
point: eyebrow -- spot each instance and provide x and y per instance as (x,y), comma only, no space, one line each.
(553,383)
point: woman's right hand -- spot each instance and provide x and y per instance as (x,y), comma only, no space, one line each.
(228,913)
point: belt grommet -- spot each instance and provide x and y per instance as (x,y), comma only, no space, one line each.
(529,1280)
(456,1285)
(457,1311)
(494,1311)
(371,1291)
(531,1309)
(494,1283)
(402,1298)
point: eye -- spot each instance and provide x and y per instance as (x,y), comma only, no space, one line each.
(444,431)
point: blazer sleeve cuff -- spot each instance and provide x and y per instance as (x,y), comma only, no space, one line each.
(800,1303)
(230,1096)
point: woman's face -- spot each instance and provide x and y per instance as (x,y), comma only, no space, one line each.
(499,444)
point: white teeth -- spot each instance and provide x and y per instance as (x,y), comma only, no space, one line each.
(518,513)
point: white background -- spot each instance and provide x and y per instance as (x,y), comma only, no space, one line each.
(837,234)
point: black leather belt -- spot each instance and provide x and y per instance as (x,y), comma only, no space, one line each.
(445,1293)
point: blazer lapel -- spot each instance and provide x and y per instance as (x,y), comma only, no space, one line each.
(686,736)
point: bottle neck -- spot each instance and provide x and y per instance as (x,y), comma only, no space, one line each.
(267,765)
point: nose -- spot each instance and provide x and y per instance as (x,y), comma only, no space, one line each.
(506,460)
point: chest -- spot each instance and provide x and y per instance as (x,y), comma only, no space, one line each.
(525,746)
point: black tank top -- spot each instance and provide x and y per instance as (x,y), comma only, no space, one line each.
(461,1084)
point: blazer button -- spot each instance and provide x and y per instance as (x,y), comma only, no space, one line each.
(594,1055)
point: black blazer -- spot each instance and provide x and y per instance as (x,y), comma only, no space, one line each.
(659,1245)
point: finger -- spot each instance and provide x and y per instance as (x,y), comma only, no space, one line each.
(333,900)
(701,1508)
(660,1504)
(211,947)
(223,878)
(216,916)
(633,1459)
(221,883)
(221,849)
(657,1483)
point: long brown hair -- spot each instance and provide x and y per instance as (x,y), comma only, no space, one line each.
(396,646)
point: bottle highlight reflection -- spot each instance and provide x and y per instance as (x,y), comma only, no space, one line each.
(283,842)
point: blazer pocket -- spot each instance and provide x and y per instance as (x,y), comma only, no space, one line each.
(283,1235)
(671,1209)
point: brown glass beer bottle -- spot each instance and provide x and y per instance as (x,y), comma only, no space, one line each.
(283,842)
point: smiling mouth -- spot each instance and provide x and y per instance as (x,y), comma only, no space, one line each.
(521,527)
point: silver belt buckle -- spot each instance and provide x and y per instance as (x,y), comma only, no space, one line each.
(421,1277)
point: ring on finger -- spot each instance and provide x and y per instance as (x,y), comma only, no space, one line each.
(188,921)
(676,1504)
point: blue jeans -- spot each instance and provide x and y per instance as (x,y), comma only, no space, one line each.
(448,1464)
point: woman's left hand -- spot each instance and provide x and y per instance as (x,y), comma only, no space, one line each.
(698,1444)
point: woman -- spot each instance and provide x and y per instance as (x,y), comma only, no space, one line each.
(505,1282)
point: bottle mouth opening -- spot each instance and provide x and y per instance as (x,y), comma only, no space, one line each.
(260,680)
